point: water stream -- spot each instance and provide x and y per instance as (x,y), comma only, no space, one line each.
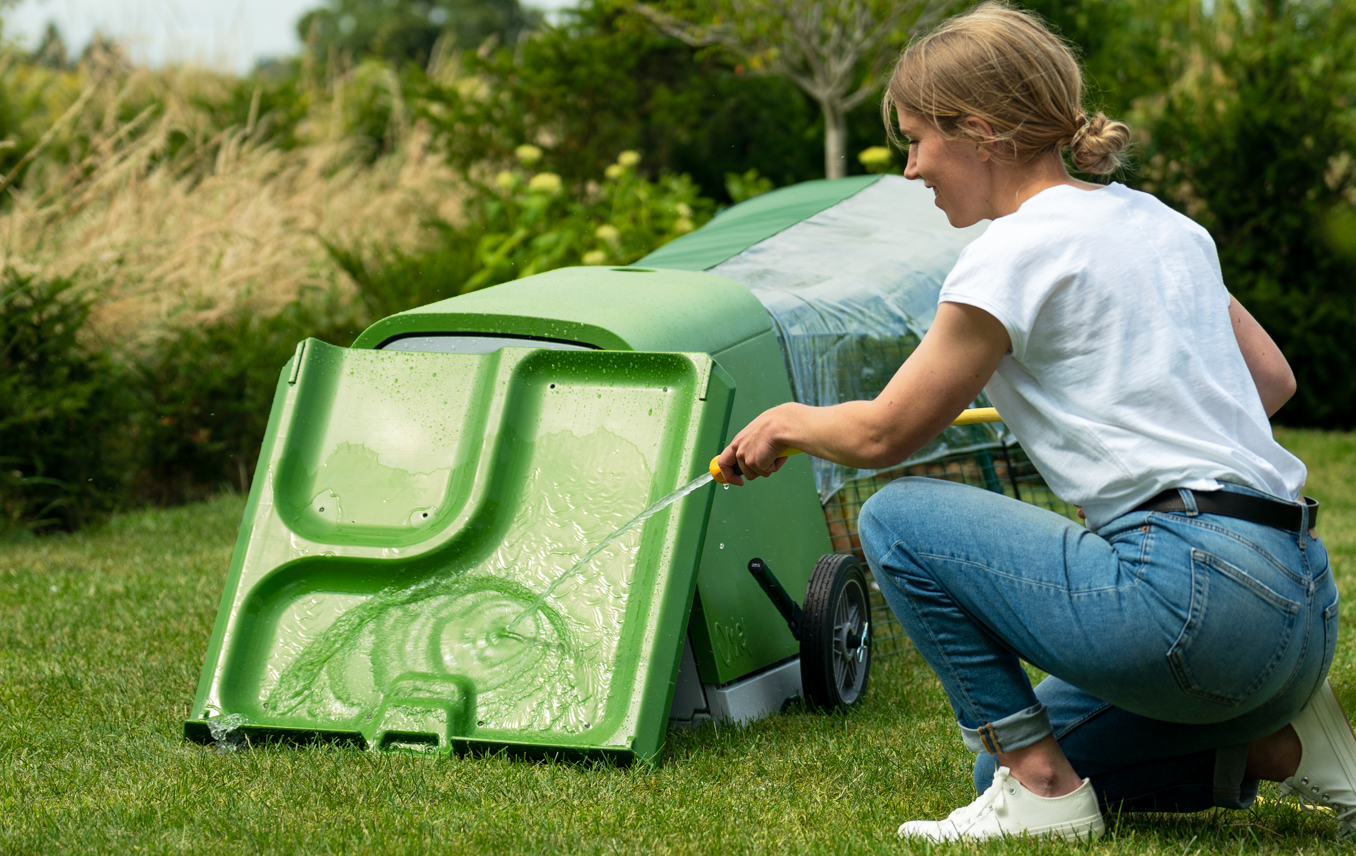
(656,507)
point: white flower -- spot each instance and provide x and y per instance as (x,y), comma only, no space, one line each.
(545,182)
(608,233)
(528,154)
(595,257)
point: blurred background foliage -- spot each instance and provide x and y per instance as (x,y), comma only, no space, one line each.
(170,234)
(402,31)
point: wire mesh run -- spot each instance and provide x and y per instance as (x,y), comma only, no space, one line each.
(1006,470)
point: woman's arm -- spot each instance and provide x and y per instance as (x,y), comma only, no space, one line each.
(941,377)
(1270,372)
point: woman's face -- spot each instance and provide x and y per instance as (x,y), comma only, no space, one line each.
(957,172)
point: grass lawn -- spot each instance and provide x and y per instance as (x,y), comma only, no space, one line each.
(102,636)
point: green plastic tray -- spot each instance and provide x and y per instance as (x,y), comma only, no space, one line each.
(409,505)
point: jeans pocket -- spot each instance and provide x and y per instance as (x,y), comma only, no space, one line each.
(1236,633)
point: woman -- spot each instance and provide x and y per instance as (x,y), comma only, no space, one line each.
(1188,629)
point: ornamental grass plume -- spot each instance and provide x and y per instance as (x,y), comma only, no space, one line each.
(165,233)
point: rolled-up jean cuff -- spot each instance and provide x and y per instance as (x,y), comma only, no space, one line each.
(1231,790)
(1010,733)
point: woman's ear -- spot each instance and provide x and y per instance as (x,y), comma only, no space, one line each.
(982,129)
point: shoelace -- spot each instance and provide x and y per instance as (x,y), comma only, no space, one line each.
(992,799)
(1345,813)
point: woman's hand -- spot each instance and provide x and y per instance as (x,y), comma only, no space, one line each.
(757,450)
(942,376)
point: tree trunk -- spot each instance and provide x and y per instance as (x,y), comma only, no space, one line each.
(835,140)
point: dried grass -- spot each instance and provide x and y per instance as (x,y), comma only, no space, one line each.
(169,221)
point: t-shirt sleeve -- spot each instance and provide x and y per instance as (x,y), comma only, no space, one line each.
(1007,277)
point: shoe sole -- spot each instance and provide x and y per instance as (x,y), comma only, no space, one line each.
(1083,829)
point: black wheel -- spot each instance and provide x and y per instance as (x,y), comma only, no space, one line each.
(835,642)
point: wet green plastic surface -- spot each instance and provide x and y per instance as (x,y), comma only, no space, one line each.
(736,229)
(408,506)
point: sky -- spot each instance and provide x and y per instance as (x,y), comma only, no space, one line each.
(226,34)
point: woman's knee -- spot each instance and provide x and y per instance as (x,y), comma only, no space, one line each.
(884,518)
(915,510)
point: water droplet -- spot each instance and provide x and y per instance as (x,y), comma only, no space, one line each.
(722,546)
(727,487)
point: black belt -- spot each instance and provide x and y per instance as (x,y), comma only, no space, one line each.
(1254,509)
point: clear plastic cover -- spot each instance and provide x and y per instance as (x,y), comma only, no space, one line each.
(852,290)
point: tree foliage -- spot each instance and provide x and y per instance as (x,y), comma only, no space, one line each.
(834,51)
(603,80)
(409,30)
(1254,141)
(1128,48)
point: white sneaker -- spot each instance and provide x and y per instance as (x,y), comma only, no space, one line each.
(1327,767)
(1007,808)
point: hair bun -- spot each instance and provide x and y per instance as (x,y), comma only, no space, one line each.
(1097,146)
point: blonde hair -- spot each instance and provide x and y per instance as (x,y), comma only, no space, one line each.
(1003,66)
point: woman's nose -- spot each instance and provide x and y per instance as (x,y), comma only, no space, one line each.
(911,168)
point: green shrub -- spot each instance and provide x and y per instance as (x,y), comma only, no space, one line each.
(1251,149)
(63,409)
(746,186)
(531,222)
(205,395)
(603,79)
(525,222)
(393,280)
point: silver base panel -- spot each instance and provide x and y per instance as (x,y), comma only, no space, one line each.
(745,700)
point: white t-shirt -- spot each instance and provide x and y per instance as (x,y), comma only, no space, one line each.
(1125,377)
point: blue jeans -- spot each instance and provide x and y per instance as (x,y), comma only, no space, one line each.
(1171,640)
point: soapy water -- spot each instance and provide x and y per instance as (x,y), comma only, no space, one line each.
(444,626)
(537,661)
(635,522)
